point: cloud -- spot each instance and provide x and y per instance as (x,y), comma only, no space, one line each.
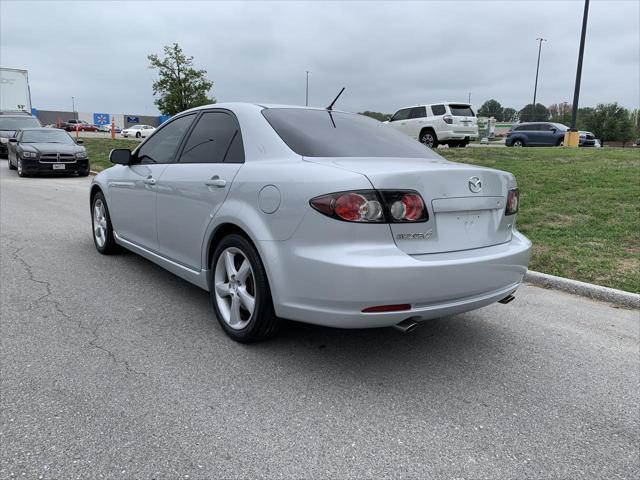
(387,54)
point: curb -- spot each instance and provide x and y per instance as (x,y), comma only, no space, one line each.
(596,292)
(93,172)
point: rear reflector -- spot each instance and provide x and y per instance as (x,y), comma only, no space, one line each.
(387,308)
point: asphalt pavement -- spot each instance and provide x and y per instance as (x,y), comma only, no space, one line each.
(111,367)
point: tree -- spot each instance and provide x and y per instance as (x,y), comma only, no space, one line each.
(509,115)
(534,113)
(382,117)
(491,108)
(179,86)
(560,112)
(610,122)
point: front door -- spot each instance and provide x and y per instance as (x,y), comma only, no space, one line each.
(132,193)
(191,190)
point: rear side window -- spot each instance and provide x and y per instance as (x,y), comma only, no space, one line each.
(418,112)
(526,128)
(461,111)
(211,140)
(401,115)
(438,110)
(162,145)
(320,133)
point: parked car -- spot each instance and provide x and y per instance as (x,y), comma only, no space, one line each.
(452,123)
(313,215)
(72,125)
(107,128)
(138,131)
(10,123)
(588,139)
(47,151)
(536,134)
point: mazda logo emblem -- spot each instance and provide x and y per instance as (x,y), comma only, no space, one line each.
(475,185)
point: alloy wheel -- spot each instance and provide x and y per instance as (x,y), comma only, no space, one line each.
(428,139)
(235,289)
(99,223)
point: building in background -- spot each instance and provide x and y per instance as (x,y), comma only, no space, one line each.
(122,120)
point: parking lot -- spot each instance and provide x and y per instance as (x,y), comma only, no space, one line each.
(113,367)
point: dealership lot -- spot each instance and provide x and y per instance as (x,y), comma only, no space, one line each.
(112,366)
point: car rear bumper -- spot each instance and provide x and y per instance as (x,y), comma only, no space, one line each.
(458,134)
(332,285)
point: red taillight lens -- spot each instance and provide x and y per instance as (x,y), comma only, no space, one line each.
(513,200)
(448,119)
(360,206)
(371,206)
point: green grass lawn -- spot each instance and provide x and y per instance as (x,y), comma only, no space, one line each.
(579,207)
(98,150)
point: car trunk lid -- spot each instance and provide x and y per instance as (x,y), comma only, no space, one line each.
(461,217)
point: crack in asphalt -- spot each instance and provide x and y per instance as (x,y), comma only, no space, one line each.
(47,297)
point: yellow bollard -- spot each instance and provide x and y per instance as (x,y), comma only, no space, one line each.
(571,139)
(113,129)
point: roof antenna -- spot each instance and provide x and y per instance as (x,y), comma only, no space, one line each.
(330,107)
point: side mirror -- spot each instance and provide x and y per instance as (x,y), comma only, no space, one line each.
(554,130)
(388,118)
(79,142)
(121,156)
(13,140)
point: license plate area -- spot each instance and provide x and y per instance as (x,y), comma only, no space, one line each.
(59,166)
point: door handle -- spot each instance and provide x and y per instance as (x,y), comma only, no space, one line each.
(216,181)
(150,180)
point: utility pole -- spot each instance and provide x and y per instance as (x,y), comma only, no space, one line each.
(572,137)
(306,102)
(535,88)
(73,106)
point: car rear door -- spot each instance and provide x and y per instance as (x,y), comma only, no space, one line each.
(191,191)
(547,135)
(415,122)
(133,191)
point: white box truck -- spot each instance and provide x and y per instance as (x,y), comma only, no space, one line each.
(15,95)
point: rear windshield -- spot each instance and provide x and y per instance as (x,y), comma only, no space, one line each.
(461,111)
(16,123)
(320,133)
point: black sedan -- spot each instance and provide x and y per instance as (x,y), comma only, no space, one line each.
(47,151)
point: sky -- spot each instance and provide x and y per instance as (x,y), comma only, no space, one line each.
(388,54)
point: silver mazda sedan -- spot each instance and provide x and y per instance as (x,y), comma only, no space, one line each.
(313,215)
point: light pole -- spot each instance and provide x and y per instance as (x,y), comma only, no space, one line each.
(73,106)
(469,98)
(572,137)
(306,102)
(535,88)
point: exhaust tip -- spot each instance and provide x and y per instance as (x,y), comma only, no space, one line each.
(406,326)
(508,299)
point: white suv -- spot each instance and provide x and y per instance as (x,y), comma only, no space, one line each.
(452,123)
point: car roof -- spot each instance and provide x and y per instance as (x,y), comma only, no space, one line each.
(40,128)
(258,106)
(435,103)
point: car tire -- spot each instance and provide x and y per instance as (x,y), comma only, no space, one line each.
(429,139)
(240,291)
(102,230)
(560,143)
(11,165)
(138,135)
(517,143)
(20,169)
(84,173)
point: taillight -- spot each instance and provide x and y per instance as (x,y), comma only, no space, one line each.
(513,199)
(371,206)
(448,119)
